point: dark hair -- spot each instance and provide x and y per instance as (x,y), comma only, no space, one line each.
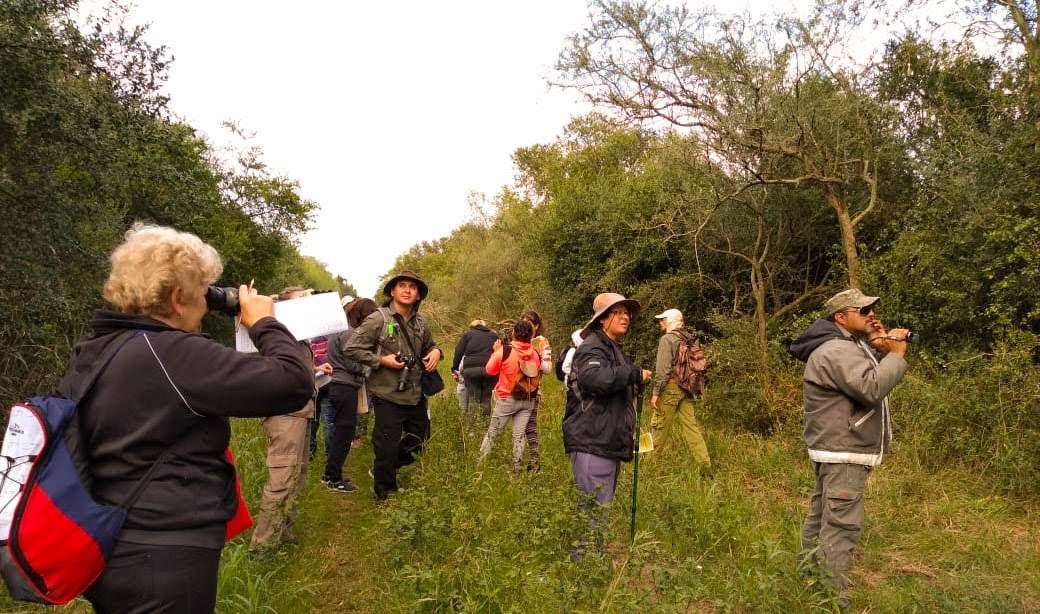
(532,316)
(287,293)
(359,309)
(523,330)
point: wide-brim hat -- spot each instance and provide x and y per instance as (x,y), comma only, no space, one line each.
(411,276)
(605,302)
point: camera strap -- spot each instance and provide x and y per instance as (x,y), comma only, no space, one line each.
(408,338)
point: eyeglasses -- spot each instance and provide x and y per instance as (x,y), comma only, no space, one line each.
(863,311)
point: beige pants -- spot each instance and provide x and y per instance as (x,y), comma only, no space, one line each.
(287,457)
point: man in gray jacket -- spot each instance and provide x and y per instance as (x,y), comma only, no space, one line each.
(852,364)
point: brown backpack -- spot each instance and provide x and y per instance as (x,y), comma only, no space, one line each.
(690,365)
(526,386)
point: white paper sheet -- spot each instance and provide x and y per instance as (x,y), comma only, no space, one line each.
(306,318)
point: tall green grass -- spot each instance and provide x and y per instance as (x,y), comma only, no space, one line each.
(459,538)
(941,535)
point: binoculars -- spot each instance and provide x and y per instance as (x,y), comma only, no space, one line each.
(410,362)
(223,300)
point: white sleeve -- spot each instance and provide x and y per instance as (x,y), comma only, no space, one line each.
(568,358)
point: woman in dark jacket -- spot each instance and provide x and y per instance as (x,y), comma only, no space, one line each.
(347,378)
(472,352)
(599,423)
(168,387)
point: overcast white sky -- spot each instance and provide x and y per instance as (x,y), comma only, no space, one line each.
(388,114)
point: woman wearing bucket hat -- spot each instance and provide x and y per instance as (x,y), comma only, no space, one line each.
(395,342)
(600,418)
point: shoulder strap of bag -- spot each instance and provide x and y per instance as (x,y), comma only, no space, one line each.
(81,391)
(385,312)
(166,455)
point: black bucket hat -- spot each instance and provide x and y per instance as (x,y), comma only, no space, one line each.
(411,276)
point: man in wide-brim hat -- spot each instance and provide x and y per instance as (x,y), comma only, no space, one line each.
(599,423)
(387,341)
(420,285)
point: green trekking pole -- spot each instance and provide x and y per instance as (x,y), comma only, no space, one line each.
(635,462)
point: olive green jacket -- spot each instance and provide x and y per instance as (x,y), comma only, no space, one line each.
(378,337)
(667,348)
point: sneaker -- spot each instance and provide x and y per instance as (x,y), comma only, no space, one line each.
(341,486)
(370,474)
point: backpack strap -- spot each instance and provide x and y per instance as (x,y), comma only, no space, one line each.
(79,392)
(166,455)
(384,331)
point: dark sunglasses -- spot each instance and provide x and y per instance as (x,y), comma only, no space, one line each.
(863,311)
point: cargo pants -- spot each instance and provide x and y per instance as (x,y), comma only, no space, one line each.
(287,456)
(835,521)
(674,401)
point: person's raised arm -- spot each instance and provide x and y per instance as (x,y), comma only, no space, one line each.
(854,374)
(218,381)
(494,364)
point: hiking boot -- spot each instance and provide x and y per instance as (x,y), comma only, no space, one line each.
(340,485)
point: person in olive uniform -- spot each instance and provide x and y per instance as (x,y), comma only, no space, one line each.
(386,342)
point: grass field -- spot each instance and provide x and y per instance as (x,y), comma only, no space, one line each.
(459,538)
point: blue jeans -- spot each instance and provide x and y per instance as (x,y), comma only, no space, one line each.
(326,413)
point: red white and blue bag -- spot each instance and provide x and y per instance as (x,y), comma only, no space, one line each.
(55,538)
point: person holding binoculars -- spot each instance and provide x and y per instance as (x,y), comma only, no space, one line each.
(169,390)
(852,364)
(396,343)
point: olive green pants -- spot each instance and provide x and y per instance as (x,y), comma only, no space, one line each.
(674,401)
(835,521)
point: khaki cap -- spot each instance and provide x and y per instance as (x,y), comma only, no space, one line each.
(669,314)
(852,298)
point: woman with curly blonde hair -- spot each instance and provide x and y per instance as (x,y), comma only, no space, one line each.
(166,389)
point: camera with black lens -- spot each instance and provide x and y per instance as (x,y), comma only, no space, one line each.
(403,381)
(223,300)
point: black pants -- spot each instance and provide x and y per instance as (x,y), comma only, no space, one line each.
(479,393)
(398,437)
(143,579)
(344,399)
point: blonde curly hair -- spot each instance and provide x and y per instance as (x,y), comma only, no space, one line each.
(151,262)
